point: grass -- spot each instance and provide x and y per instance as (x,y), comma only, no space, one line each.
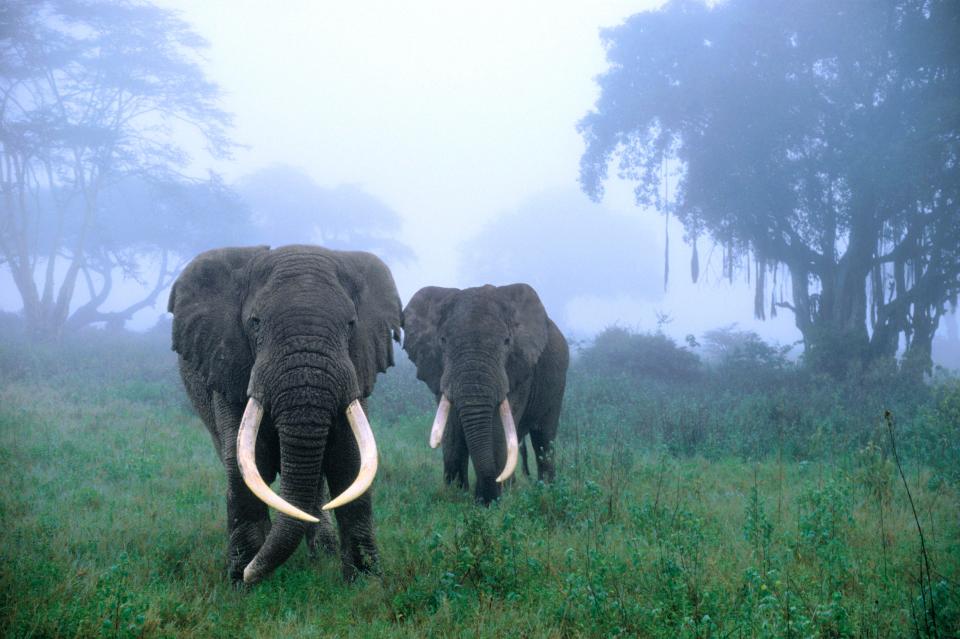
(111,501)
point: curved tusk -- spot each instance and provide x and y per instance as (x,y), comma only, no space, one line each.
(440,421)
(368,456)
(510,430)
(247,460)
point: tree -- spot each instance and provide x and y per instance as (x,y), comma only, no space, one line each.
(93,95)
(564,246)
(148,232)
(820,139)
(288,207)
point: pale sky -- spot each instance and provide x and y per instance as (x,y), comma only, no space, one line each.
(451,113)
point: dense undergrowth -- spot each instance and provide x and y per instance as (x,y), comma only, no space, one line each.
(724,494)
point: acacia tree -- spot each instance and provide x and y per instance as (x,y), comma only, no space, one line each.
(92,94)
(820,139)
(288,207)
(147,231)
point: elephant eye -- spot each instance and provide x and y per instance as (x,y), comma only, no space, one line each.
(506,341)
(443,340)
(255,324)
(352,324)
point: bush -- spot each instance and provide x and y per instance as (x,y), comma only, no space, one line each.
(743,360)
(617,350)
(749,399)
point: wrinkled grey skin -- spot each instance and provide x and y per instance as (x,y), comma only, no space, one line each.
(304,330)
(477,346)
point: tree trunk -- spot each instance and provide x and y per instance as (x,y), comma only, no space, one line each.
(833,321)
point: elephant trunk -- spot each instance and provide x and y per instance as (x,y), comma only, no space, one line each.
(476,419)
(300,475)
(307,400)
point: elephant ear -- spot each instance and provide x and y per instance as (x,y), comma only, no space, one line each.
(369,283)
(207,330)
(528,322)
(421,341)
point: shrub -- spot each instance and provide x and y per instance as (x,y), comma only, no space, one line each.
(617,350)
(741,359)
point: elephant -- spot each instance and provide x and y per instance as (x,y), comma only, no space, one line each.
(497,366)
(278,350)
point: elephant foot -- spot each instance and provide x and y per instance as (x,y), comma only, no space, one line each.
(487,490)
(363,558)
(245,541)
(457,478)
(322,538)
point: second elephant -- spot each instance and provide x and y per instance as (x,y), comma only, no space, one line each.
(497,366)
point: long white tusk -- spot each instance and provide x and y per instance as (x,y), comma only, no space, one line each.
(440,421)
(247,460)
(510,430)
(368,456)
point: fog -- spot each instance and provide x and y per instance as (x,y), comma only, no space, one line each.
(449,124)
(452,119)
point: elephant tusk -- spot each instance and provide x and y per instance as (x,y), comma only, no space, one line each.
(510,430)
(247,460)
(440,421)
(368,456)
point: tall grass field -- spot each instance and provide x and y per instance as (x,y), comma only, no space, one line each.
(749,500)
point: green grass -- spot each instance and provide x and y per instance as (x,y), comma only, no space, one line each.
(113,519)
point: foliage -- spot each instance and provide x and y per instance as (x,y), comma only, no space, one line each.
(92,96)
(820,138)
(728,347)
(290,208)
(744,361)
(633,539)
(146,227)
(749,399)
(619,350)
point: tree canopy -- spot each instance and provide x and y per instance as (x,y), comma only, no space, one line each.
(93,98)
(289,207)
(147,232)
(564,246)
(814,141)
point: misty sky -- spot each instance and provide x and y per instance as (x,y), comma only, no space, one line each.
(452,115)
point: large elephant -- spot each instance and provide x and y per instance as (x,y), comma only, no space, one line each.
(497,366)
(278,350)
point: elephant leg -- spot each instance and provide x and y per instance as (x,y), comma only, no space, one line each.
(455,456)
(248,521)
(523,456)
(321,538)
(543,451)
(341,463)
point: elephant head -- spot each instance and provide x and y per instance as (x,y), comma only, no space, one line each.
(473,348)
(298,333)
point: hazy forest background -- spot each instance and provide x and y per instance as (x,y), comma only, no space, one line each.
(711,483)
